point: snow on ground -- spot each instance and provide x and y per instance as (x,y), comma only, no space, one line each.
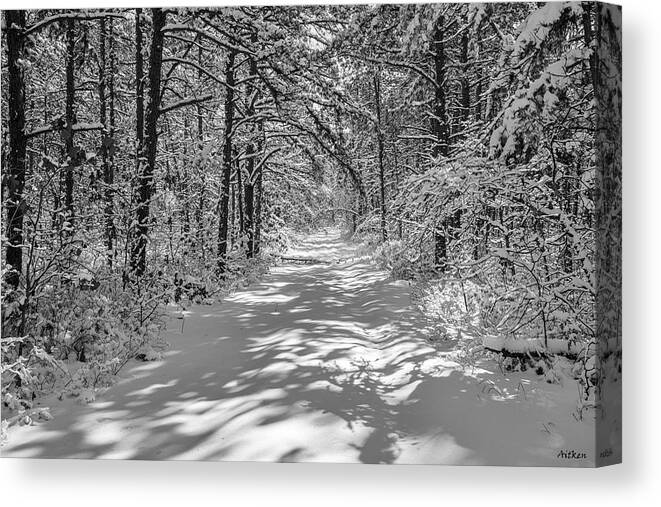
(317,362)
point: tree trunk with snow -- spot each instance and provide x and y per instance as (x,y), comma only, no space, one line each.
(107,119)
(223,208)
(380,154)
(439,124)
(68,133)
(149,146)
(16,163)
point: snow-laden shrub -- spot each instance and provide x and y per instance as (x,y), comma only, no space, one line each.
(368,232)
(277,236)
(242,271)
(455,301)
(512,231)
(452,306)
(394,256)
(526,306)
(70,339)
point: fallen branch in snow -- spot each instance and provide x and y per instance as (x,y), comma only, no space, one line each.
(304,260)
(527,347)
(340,210)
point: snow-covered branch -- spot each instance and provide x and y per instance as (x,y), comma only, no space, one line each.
(185,102)
(78,16)
(78,127)
(206,35)
(189,63)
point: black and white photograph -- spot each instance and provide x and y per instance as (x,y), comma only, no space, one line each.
(331,233)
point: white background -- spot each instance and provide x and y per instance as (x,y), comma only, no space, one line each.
(636,482)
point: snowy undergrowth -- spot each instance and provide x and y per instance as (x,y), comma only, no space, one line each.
(452,308)
(69,340)
(471,322)
(76,341)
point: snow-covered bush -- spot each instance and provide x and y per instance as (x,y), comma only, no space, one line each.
(242,271)
(393,256)
(455,302)
(367,232)
(71,339)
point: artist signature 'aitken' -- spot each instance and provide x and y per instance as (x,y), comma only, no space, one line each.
(571,454)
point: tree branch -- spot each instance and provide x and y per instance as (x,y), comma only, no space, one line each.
(201,69)
(79,16)
(78,127)
(185,102)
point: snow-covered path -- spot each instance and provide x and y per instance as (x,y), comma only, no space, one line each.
(318,362)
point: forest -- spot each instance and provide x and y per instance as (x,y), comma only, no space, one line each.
(157,163)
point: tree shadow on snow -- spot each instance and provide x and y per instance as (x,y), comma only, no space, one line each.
(315,363)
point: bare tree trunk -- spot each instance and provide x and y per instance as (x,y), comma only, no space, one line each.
(252,188)
(103,72)
(379,141)
(464,82)
(139,87)
(232,214)
(111,230)
(184,184)
(106,99)
(239,198)
(248,189)
(15,179)
(259,187)
(139,133)
(441,133)
(259,192)
(251,153)
(149,145)
(227,164)
(200,138)
(478,87)
(464,116)
(70,119)
(397,182)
